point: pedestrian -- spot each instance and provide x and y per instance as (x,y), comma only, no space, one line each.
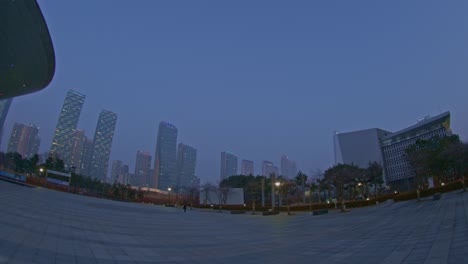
(185,208)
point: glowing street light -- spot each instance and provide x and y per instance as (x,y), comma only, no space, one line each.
(169,190)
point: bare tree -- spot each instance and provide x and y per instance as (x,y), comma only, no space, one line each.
(206,189)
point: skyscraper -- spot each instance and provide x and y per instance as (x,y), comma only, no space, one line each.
(24,139)
(76,156)
(165,174)
(268,168)
(228,165)
(4,108)
(102,144)
(186,164)
(142,169)
(116,170)
(288,167)
(124,176)
(247,167)
(86,156)
(292,170)
(68,120)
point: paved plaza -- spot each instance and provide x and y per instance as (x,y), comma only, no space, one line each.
(44,226)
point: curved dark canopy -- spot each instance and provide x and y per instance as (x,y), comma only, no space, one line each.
(27,60)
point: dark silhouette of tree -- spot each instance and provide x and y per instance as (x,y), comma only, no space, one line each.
(374,175)
(340,176)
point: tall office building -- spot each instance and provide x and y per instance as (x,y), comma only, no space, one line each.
(165,174)
(142,169)
(86,156)
(228,165)
(288,167)
(186,164)
(102,144)
(68,120)
(124,175)
(76,156)
(25,140)
(268,169)
(4,108)
(116,170)
(292,170)
(247,167)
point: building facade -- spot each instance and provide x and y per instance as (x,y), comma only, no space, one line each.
(4,108)
(186,165)
(228,165)
(165,158)
(86,156)
(25,140)
(142,176)
(398,171)
(247,167)
(62,142)
(389,148)
(102,144)
(79,140)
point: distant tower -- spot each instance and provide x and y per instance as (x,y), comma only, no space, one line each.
(247,167)
(25,140)
(228,165)
(4,107)
(86,156)
(142,169)
(79,140)
(268,168)
(165,174)
(186,165)
(66,125)
(102,144)
(116,170)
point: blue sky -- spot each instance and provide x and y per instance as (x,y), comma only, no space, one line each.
(257,78)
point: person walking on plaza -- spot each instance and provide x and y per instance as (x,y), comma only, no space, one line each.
(185,208)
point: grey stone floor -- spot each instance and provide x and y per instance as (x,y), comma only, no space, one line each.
(43,226)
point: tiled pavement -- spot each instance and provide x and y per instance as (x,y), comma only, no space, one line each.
(43,226)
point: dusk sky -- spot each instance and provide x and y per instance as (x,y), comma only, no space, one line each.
(257,78)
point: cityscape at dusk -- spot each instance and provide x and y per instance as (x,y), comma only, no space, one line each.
(251,83)
(233,131)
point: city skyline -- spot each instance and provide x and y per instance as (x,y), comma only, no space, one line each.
(322,68)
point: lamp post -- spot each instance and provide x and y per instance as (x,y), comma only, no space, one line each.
(169,190)
(277,184)
(41,170)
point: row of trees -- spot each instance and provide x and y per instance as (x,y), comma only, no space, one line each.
(361,183)
(358,181)
(79,183)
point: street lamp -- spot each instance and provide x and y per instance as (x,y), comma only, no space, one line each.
(277,184)
(169,190)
